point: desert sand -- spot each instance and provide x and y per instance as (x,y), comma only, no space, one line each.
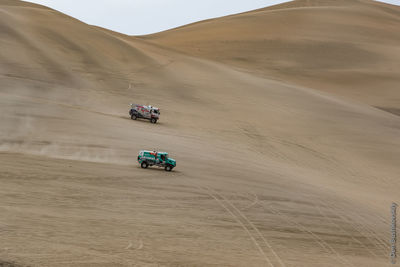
(282,121)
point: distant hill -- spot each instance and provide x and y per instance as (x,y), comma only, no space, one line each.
(349,47)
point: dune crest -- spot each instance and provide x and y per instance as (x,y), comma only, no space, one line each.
(347,48)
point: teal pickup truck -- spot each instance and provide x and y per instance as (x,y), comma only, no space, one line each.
(160,159)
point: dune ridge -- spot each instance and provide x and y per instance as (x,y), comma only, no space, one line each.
(347,48)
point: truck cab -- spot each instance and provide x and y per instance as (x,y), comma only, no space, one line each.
(155,112)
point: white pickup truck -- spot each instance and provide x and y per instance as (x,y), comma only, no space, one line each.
(144,112)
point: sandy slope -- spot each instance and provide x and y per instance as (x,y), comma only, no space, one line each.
(270,172)
(349,48)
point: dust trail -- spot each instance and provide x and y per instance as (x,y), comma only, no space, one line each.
(26,129)
(62,151)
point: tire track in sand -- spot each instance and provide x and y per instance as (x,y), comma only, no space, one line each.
(221,202)
(241,214)
(331,221)
(328,248)
(322,243)
(362,223)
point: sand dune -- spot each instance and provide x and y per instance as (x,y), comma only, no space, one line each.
(283,158)
(349,48)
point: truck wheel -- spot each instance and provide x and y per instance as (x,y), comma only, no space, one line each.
(144,165)
(153,120)
(133,117)
(168,168)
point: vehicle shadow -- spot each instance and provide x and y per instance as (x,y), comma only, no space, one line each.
(141,120)
(156,169)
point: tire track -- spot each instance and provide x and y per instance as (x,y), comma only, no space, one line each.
(256,243)
(256,200)
(379,241)
(315,237)
(252,225)
(342,229)
(328,248)
(376,243)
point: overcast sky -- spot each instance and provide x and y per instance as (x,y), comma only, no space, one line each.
(137,17)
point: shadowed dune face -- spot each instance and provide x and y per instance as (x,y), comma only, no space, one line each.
(273,168)
(33,48)
(345,47)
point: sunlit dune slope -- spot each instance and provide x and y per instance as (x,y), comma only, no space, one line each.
(349,48)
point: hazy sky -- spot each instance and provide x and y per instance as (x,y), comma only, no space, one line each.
(137,17)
